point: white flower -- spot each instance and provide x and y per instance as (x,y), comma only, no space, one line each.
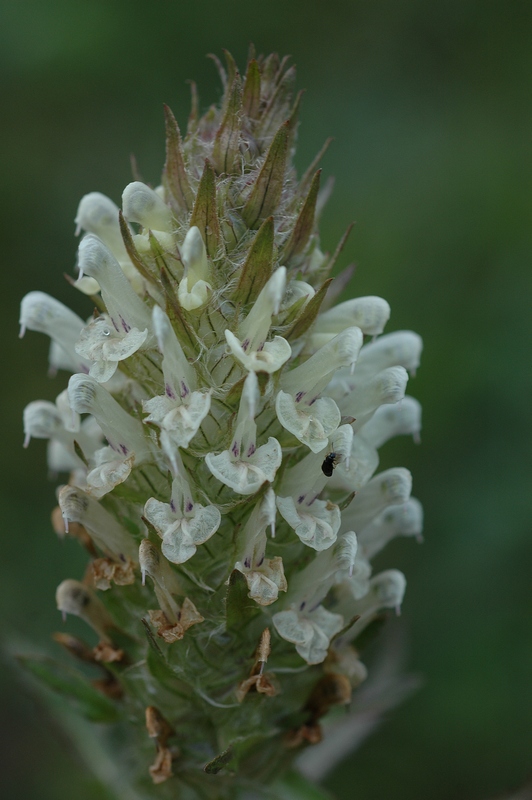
(181,410)
(312,419)
(106,532)
(264,576)
(195,288)
(265,580)
(245,467)
(182,523)
(269,357)
(310,632)
(124,307)
(311,424)
(370,314)
(99,215)
(388,488)
(141,204)
(402,520)
(316,524)
(40,312)
(108,470)
(385,590)
(102,344)
(250,347)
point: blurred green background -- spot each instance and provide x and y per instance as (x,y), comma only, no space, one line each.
(429,104)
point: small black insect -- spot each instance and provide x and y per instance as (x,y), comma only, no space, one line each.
(329,463)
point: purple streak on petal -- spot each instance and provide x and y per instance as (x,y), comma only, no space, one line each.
(169,391)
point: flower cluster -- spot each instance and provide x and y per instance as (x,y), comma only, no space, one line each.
(219,435)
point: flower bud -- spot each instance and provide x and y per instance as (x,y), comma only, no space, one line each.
(124,306)
(72,597)
(141,204)
(99,215)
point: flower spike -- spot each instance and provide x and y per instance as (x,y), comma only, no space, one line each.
(219,448)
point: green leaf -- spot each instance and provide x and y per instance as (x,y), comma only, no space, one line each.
(80,454)
(175,179)
(220,68)
(71,683)
(267,189)
(232,71)
(293,120)
(240,610)
(347,500)
(341,244)
(227,141)
(219,762)
(270,70)
(162,257)
(304,224)
(309,172)
(182,327)
(278,106)
(204,213)
(161,669)
(251,94)
(309,313)
(258,266)
(193,117)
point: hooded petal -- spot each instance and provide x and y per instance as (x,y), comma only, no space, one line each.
(247,476)
(313,424)
(316,525)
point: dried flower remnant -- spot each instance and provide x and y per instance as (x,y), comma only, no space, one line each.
(218,444)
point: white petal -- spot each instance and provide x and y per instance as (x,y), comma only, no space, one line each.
(177,547)
(269,359)
(265,582)
(312,425)
(104,477)
(311,634)
(160,515)
(316,525)
(181,421)
(370,314)
(363,461)
(182,535)
(103,371)
(203,523)
(246,477)
(141,204)
(196,297)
